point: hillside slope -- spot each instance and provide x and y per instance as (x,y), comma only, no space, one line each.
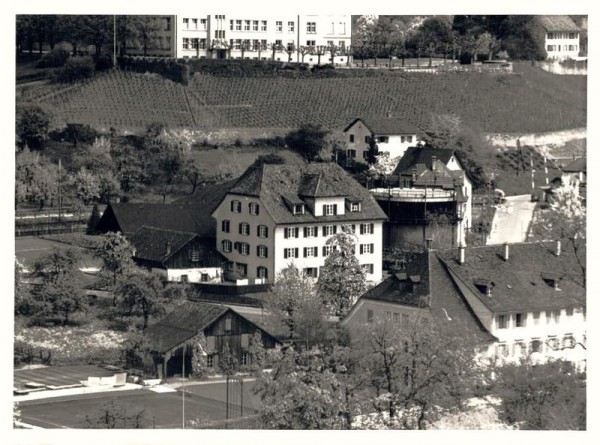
(531,100)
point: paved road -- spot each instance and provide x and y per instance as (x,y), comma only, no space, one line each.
(511,220)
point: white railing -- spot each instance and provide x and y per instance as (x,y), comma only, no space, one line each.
(405,193)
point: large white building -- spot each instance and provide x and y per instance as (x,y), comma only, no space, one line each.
(561,36)
(529,296)
(277,215)
(282,37)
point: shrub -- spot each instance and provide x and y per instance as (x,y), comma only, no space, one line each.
(54,59)
(103,62)
(77,68)
(75,133)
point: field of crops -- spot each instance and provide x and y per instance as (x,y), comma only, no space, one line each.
(531,100)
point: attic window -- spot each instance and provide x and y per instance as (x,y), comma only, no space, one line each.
(551,280)
(484,286)
(298,209)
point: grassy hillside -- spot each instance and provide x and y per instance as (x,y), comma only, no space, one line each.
(531,100)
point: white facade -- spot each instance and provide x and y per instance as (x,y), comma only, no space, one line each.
(395,144)
(466,223)
(263,36)
(196,275)
(558,333)
(562,45)
(307,252)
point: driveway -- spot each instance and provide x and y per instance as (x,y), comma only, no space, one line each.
(512,220)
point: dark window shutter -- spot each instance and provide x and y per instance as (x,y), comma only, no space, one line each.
(296,252)
(324,209)
(324,230)
(296,232)
(361,249)
(285,233)
(362,229)
(258,230)
(305,252)
(316,251)
(240,228)
(266,232)
(257,207)
(324,250)
(335,209)
(372,226)
(316,230)
(266,252)
(257,250)
(334,230)
(285,253)
(305,232)
(372,248)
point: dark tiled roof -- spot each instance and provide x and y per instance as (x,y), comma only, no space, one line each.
(151,243)
(170,216)
(398,288)
(182,324)
(274,182)
(380,125)
(422,155)
(449,307)
(557,23)
(578,165)
(518,284)
(436,291)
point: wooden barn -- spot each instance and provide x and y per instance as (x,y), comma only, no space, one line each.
(180,256)
(174,337)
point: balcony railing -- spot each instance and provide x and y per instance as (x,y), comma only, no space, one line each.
(410,194)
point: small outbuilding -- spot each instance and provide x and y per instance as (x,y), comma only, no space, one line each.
(172,341)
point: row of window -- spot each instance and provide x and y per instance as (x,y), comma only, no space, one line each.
(194,23)
(394,317)
(195,43)
(562,35)
(328,230)
(519,320)
(313,252)
(262,231)
(552,48)
(253,207)
(244,248)
(520,347)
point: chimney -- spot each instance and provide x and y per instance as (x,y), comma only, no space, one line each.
(506,252)
(428,242)
(414,175)
(461,254)
(414,281)
(558,248)
(168,248)
(433,161)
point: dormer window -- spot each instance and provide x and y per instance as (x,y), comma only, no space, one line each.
(484,286)
(298,209)
(551,280)
(329,209)
(355,206)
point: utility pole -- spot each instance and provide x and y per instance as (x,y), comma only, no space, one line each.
(183,387)
(114,41)
(59,189)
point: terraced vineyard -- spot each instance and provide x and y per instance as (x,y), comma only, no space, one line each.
(531,100)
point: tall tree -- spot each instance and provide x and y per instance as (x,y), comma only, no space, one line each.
(550,396)
(565,220)
(436,34)
(141,294)
(342,279)
(308,141)
(295,306)
(313,394)
(32,126)
(116,254)
(418,371)
(146,30)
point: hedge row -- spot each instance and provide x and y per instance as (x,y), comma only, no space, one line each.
(180,70)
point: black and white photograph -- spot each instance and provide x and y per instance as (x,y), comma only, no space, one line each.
(275,218)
